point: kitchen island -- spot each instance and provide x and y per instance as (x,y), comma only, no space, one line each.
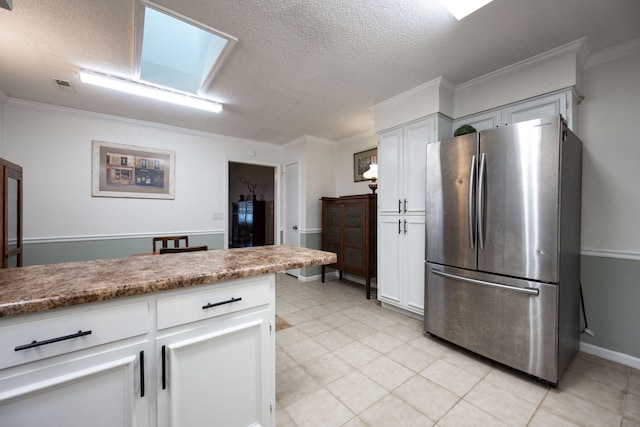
(170,340)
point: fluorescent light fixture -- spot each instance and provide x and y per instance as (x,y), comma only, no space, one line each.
(462,8)
(148,91)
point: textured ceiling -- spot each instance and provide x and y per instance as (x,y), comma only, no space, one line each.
(300,67)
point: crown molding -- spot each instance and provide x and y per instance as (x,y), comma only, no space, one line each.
(624,49)
(572,48)
(437,82)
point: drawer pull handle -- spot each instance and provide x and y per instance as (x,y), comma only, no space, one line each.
(215,304)
(52,340)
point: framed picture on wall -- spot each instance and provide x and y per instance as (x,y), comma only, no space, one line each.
(130,171)
(362,161)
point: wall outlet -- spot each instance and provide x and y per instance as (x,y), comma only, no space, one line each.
(216,216)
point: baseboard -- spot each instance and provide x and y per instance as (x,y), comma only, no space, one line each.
(309,278)
(402,311)
(613,356)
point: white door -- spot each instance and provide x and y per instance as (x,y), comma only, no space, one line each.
(292,208)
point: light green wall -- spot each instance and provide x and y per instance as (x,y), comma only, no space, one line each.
(611,289)
(84,250)
(311,241)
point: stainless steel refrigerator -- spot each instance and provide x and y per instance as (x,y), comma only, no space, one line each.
(503,244)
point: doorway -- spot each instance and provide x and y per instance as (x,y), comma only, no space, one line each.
(251,205)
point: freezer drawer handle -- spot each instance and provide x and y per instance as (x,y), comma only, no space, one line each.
(529,291)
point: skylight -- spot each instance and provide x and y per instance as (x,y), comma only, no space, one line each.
(179,53)
(462,8)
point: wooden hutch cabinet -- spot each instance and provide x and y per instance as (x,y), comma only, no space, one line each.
(248,223)
(11,199)
(349,230)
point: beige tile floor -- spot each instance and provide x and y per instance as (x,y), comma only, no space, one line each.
(346,361)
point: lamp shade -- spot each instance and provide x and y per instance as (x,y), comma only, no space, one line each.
(372,172)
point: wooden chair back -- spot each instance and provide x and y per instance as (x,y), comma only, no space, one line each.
(164,241)
(180,250)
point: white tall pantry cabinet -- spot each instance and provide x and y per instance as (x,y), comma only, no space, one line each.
(401,210)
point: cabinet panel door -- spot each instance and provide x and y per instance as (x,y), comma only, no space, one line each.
(416,138)
(481,121)
(548,106)
(414,269)
(219,377)
(100,391)
(389,267)
(389,183)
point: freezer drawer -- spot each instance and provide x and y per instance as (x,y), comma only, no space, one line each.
(511,321)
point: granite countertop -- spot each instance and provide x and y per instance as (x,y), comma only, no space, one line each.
(43,287)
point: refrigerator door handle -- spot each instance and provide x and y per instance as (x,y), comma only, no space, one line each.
(528,291)
(472,184)
(481,183)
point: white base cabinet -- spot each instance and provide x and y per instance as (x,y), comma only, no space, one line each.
(203,355)
(401,267)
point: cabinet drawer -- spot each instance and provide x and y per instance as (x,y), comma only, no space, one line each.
(45,334)
(216,300)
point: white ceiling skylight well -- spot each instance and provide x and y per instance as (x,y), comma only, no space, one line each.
(462,8)
(175,59)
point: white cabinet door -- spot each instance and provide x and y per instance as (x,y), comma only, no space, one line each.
(389,167)
(547,106)
(416,137)
(481,121)
(389,260)
(102,390)
(218,375)
(414,257)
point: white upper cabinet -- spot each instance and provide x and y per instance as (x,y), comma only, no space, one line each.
(562,102)
(402,154)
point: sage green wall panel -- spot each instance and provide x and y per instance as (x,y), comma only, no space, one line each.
(611,289)
(84,250)
(311,241)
